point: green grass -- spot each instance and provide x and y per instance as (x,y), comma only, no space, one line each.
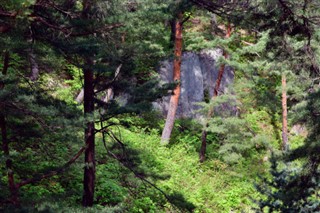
(213,186)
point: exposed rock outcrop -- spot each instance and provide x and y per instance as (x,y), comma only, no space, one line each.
(199,72)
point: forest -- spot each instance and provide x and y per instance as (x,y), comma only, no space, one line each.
(160,106)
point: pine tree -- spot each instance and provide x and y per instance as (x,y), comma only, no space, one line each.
(291,189)
(211,110)
(95,37)
(291,28)
(174,100)
(34,125)
(48,30)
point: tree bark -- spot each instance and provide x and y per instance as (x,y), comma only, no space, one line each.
(174,100)
(37,177)
(89,170)
(34,66)
(202,153)
(284,114)
(79,98)
(109,96)
(5,141)
(88,103)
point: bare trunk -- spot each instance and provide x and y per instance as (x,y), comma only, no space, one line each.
(34,66)
(284,114)
(174,100)
(110,93)
(36,178)
(79,97)
(108,96)
(89,170)
(202,153)
(5,141)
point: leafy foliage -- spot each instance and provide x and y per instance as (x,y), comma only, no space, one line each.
(124,40)
(290,189)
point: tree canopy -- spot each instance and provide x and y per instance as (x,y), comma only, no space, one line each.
(80,81)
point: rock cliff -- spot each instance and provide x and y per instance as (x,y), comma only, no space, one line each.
(199,72)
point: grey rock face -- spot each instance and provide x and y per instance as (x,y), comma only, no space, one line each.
(199,72)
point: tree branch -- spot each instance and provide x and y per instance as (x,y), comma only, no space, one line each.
(8,14)
(57,171)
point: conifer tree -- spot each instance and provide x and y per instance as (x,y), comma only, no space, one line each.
(47,29)
(84,34)
(215,94)
(174,100)
(89,137)
(34,121)
(290,47)
(176,35)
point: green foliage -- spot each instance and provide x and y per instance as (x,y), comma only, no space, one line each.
(289,190)
(134,174)
(187,131)
(213,186)
(65,90)
(109,192)
(42,131)
(237,137)
(144,204)
(296,187)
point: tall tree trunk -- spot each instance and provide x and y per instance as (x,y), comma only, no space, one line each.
(34,66)
(202,153)
(88,102)
(89,169)
(5,143)
(284,114)
(174,100)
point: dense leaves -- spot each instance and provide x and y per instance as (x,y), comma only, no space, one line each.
(47,49)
